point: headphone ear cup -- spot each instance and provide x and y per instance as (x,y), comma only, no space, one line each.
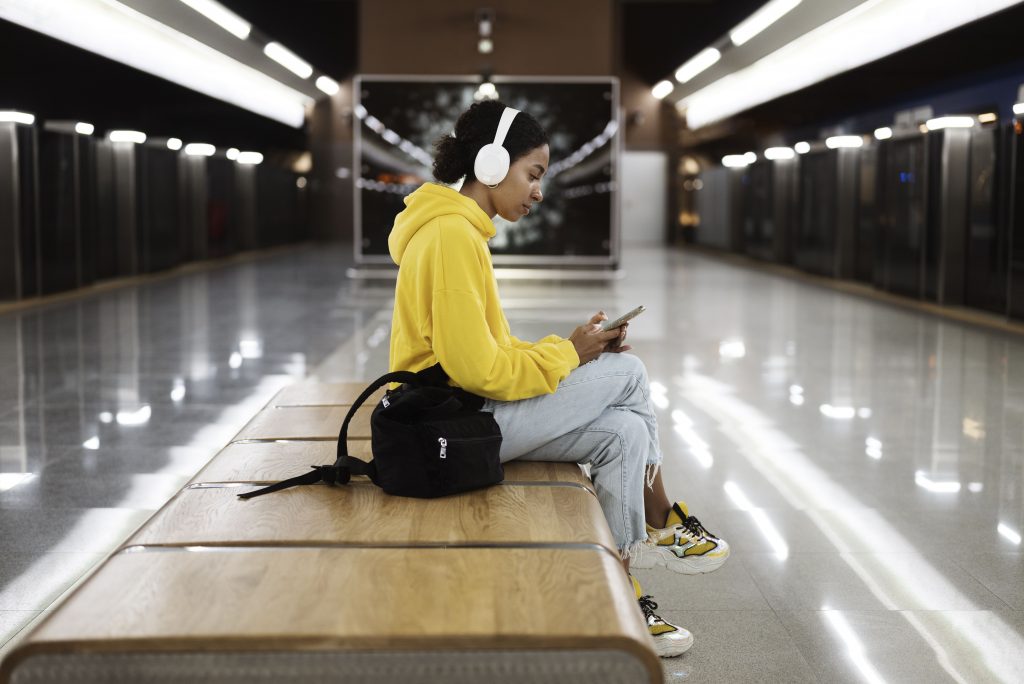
(491,165)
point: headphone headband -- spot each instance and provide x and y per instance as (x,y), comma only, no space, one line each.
(504,124)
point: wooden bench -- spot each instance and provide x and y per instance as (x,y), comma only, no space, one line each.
(437,615)
(518,582)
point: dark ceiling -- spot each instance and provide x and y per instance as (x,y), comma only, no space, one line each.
(55,80)
(657,37)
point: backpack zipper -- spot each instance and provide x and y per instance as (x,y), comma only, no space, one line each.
(444,447)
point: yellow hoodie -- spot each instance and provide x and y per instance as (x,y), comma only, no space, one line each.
(447,307)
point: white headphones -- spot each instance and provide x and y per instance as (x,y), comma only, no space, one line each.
(492,161)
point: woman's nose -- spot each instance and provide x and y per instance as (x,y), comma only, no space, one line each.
(537,195)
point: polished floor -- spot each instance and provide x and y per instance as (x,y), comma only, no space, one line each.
(865,462)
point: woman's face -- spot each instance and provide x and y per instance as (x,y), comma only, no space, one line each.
(516,195)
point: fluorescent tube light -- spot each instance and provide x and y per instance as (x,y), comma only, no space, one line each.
(775,153)
(83,128)
(883,133)
(174,144)
(232,153)
(288,59)
(200,150)
(750,157)
(118,32)
(249,158)
(1018,109)
(222,16)
(327,85)
(834,47)
(662,89)
(802,147)
(702,61)
(760,20)
(136,137)
(17,117)
(838,141)
(949,122)
(735,161)
(988,117)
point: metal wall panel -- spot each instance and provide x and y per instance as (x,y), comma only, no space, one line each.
(159,208)
(1015,222)
(10,260)
(987,257)
(59,229)
(19,212)
(785,187)
(952,215)
(814,246)
(847,162)
(715,208)
(245,200)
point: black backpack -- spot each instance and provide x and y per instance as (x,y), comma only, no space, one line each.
(428,440)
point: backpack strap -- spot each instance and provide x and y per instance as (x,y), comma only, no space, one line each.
(345,466)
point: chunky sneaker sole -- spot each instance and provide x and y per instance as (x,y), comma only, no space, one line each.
(672,644)
(669,640)
(651,555)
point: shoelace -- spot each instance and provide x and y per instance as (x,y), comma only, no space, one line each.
(693,526)
(648,606)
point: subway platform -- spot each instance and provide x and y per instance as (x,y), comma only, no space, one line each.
(864,461)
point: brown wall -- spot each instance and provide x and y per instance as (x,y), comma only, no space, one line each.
(559,38)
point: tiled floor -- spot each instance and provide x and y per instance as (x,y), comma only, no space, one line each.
(865,462)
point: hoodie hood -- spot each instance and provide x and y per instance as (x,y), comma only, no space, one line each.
(426,204)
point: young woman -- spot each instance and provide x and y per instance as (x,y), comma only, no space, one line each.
(578,399)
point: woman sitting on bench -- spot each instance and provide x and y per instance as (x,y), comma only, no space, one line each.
(579,399)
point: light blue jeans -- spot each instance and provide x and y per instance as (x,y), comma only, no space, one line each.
(600,415)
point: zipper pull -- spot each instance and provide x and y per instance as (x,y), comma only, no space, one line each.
(444,447)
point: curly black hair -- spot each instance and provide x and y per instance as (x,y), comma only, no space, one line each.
(454,156)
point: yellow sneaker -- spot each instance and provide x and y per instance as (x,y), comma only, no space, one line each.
(669,640)
(683,545)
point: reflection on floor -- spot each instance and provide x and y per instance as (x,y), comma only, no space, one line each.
(865,463)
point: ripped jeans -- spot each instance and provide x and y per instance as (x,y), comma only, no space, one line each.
(600,415)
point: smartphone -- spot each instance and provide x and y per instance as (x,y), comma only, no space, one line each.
(608,325)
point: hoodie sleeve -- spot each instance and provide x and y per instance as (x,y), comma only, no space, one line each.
(462,339)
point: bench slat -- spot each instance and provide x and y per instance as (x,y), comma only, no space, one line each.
(312,601)
(306,422)
(362,514)
(274,461)
(324,394)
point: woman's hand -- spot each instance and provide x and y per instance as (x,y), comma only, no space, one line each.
(589,340)
(618,345)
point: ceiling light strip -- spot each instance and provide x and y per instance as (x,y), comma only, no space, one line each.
(148,45)
(833,48)
(222,16)
(702,61)
(288,59)
(761,19)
